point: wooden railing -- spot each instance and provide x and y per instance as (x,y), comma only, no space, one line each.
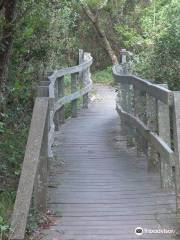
(48,115)
(80,75)
(150,118)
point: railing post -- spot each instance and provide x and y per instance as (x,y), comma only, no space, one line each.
(40,186)
(164,133)
(61,111)
(85,100)
(123,93)
(139,112)
(151,112)
(123,59)
(176,138)
(56,116)
(119,101)
(123,103)
(126,101)
(43,89)
(83,78)
(80,61)
(73,90)
(85,82)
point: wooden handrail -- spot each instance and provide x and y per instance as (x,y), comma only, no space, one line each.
(62,72)
(27,182)
(160,93)
(48,115)
(80,73)
(145,109)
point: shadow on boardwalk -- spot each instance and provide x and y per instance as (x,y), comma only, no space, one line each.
(99,189)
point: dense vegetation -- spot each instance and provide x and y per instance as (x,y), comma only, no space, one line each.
(39,36)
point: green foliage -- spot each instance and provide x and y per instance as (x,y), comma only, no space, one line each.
(103,76)
(6,201)
(4,228)
(128,35)
(160,60)
(7,197)
(44,39)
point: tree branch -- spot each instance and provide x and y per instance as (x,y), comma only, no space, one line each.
(94,19)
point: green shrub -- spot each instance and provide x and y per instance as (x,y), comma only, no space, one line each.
(103,76)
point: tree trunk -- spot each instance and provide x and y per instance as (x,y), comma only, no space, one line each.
(100,32)
(5,47)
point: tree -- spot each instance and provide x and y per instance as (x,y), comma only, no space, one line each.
(94,18)
(9,7)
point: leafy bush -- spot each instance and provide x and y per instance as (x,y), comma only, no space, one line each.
(160,60)
(103,76)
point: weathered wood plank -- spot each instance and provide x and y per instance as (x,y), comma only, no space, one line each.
(176,137)
(61,89)
(167,178)
(29,169)
(73,90)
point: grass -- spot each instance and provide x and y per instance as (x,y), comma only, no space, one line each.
(6,204)
(103,76)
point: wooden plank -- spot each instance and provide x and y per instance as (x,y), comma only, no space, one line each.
(167,178)
(138,111)
(29,169)
(61,89)
(176,138)
(73,90)
(41,181)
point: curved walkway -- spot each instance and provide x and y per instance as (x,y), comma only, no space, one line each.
(99,189)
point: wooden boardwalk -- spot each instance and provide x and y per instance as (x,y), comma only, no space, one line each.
(99,189)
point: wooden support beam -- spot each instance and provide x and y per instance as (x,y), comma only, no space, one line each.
(164,133)
(80,61)
(61,89)
(176,131)
(129,109)
(138,114)
(41,181)
(151,112)
(73,90)
(56,115)
(29,169)
(123,103)
(86,77)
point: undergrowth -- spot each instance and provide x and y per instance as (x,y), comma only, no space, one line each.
(103,76)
